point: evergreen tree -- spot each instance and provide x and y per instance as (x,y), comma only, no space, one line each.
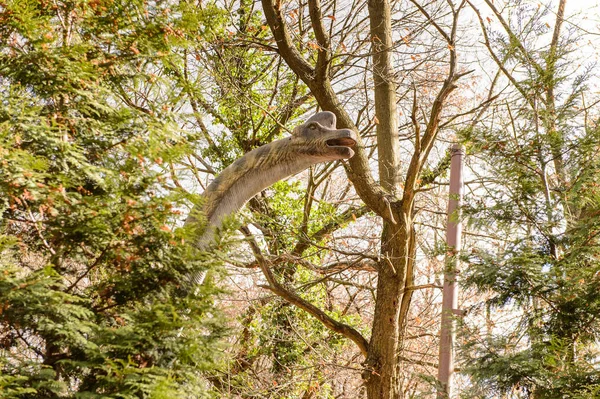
(92,261)
(541,148)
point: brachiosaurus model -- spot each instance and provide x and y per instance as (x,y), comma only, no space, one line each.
(315,141)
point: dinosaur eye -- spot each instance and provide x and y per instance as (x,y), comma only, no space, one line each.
(312,126)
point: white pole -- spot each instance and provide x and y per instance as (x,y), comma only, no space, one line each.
(450,297)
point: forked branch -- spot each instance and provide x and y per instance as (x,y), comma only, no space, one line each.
(293,298)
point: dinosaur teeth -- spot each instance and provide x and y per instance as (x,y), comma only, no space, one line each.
(341,142)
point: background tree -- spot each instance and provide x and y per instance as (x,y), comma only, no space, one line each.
(314,40)
(303,238)
(540,144)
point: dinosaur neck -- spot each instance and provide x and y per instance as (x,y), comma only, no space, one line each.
(246,177)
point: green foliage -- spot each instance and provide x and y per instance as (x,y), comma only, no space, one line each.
(92,260)
(544,202)
(549,352)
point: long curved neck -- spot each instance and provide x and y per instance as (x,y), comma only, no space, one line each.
(246,177)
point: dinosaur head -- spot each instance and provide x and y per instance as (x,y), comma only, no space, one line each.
(319,137)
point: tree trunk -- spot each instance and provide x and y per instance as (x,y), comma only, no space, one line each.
(382,370)
(385,94)
(383,365)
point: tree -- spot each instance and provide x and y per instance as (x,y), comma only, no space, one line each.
(297,236)
(92,261)
(316,48)
(540,145)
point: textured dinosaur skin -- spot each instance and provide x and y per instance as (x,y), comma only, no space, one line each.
(315,141)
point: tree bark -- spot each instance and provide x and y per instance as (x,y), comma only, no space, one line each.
(382,365)
(385,94)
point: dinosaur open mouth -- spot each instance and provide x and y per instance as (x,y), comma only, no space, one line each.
(341,142)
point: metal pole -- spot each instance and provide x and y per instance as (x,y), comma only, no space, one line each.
(450,297)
